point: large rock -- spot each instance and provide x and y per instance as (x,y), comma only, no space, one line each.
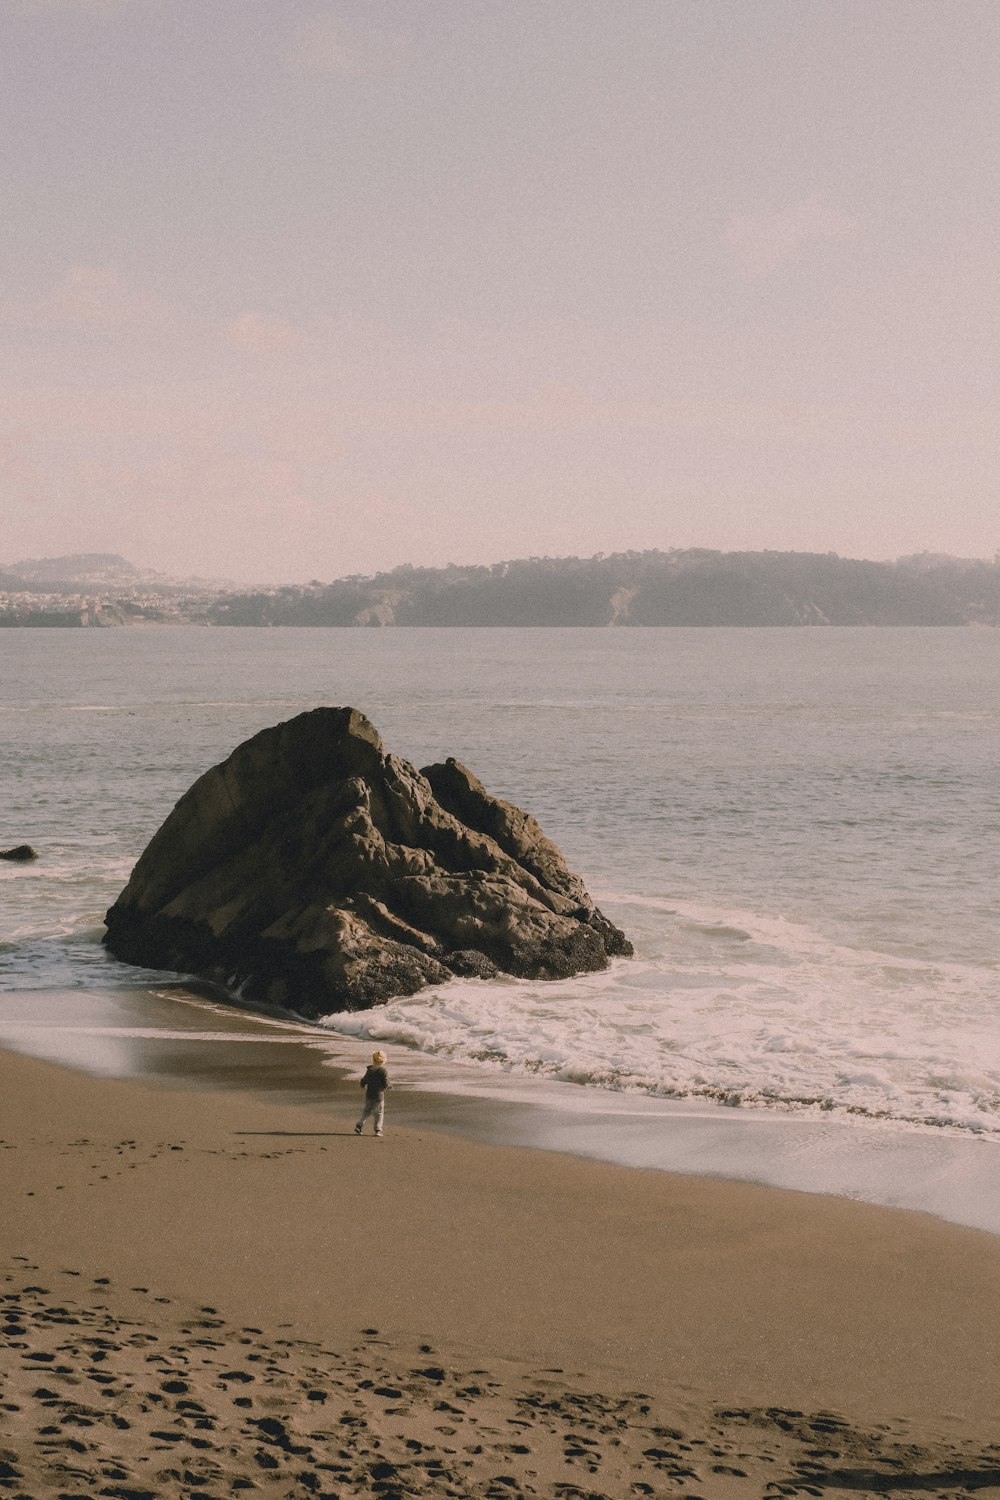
(23,852)
(315,872)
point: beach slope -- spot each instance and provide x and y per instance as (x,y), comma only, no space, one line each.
(209,1292)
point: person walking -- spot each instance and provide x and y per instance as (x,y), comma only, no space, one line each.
(374,1083)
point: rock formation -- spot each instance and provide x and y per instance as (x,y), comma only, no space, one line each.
(315,872)
(22,852)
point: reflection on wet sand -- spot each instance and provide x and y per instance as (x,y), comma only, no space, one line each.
(174,1035)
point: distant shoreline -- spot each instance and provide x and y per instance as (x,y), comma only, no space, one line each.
(693,588)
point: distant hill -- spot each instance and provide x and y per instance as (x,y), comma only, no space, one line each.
(78,568)
(692,587)
(695,587)
(96,570)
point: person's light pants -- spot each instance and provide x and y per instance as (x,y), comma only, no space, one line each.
(373,1106)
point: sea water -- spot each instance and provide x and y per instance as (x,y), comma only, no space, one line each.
(798,829)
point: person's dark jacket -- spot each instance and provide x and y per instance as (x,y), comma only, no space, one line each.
(375,1081)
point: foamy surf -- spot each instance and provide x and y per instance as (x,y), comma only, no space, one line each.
(745,1009)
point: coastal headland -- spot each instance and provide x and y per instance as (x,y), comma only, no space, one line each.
(207,1292)
(694,586)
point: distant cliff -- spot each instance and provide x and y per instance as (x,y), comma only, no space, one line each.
(694,587)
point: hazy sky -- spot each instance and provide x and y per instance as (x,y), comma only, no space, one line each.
(300,288)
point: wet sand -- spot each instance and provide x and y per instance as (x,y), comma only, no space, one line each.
(208,1291)
(187,1037)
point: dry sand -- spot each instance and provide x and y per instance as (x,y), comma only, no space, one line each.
(209,1293)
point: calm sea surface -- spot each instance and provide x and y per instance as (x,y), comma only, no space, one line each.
(799,829)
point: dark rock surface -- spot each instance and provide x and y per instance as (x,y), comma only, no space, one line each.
(314,871)
(21,852)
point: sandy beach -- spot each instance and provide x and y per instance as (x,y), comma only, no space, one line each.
(208,1292)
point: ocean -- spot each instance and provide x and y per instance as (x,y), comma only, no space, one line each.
(798,829)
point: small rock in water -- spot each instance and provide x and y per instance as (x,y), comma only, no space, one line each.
(22,852)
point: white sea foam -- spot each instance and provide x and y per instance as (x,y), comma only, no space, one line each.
(731,1005)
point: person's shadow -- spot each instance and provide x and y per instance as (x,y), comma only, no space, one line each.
(296,1134)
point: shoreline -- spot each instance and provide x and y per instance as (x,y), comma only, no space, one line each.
(583,1323)
(185,1037)
(695,1225)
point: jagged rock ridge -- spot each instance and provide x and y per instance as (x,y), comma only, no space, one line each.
(314,871)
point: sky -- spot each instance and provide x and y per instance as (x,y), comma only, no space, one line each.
(304,289)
